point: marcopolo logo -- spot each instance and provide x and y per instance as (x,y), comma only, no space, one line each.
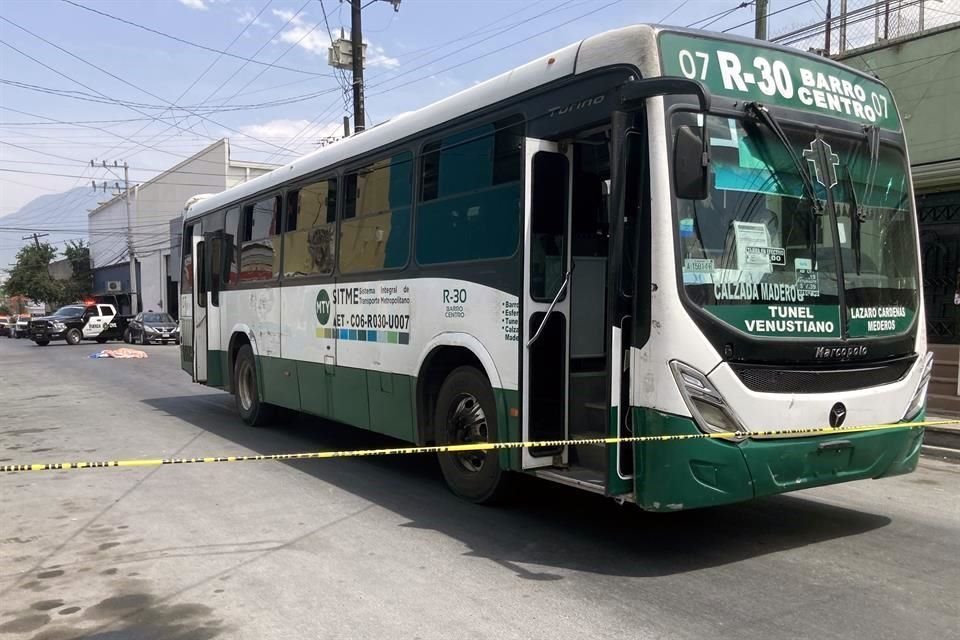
(323,307)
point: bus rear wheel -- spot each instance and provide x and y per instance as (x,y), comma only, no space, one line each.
(252,409)
(465,413)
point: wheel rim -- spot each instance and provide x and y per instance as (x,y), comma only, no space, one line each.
(245,385)
(467,424)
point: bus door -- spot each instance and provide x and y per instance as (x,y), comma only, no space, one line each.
(199,302)
(213,249)
(545,323)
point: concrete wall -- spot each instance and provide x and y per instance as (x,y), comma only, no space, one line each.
(153,207)
(921,71)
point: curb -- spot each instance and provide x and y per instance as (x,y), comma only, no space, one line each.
(945,454)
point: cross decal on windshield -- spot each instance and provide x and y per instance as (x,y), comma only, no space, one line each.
(824,161)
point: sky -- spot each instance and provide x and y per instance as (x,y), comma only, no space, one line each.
(131,94)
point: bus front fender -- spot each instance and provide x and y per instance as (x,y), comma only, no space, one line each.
(468,342)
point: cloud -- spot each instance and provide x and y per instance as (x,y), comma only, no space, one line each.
(282,131)
(199,5)
(314,38)
(377,57)
(249,17)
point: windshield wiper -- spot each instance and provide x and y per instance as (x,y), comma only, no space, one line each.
(761,113)
(872,133)
(857,218)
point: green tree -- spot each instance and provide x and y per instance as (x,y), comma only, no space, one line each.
(80,283)
(30,276)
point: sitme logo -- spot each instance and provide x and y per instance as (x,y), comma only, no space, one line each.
(323,306)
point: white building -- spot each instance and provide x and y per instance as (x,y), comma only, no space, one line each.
(155,206)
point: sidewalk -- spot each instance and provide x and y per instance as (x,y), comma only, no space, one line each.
(942,441)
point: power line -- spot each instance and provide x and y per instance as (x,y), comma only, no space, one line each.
(194,44)
(67,175)
(197,79)
(80,95)
(74,163)
(342,77)
(416,54)
(112,75)
(772,13)
(717,16)
(490,37)
(673,11)
(498,50)
(117,135)
(243,66)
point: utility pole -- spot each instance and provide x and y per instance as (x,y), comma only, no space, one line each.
(843,24)
(36,238)
(126,205)
(827,31)
(760,24)
(133,260)
(349,55)
(356,41)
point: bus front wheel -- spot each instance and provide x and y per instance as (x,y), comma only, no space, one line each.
(252,409)
(465,413)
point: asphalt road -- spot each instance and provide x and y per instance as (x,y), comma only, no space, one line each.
(378,548)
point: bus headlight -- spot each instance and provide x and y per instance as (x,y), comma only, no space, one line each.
(709,409)
(921,393)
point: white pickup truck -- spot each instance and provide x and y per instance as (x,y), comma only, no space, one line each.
(76,322)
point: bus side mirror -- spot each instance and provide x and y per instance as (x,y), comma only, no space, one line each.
(691,164)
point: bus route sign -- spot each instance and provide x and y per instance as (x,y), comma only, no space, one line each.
(748,72)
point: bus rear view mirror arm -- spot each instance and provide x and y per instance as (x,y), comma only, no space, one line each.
(634,93)
(691,152)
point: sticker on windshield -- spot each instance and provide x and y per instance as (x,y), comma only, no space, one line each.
(699,265)
(808,283)
(751,236)
(767,255)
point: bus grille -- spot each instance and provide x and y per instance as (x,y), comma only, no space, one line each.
(773,379)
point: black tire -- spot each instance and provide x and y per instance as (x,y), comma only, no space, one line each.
(73,336)
(126,336)
(143,338)
(246,390)
(466,411)
(42,343)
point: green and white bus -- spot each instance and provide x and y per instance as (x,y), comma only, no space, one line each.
(652,231)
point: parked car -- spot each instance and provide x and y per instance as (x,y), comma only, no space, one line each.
(22,327)
(76,322)
(4,325)
(149,327)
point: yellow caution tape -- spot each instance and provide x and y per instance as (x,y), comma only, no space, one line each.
(479,446)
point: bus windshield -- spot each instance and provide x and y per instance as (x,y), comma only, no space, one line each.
(759,255)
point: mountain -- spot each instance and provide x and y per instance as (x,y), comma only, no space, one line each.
(66,212)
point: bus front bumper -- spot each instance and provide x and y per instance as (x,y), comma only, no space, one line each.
(677,475)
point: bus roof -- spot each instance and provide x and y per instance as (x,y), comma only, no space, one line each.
(635,44)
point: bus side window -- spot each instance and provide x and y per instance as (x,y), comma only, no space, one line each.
(231,225)
(470,194)
(259,244)
(375,231)
(309,229)
(186,273)
(201,274)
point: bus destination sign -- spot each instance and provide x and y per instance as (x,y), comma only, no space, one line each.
(755,73)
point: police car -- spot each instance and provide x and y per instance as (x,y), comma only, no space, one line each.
(76,322)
